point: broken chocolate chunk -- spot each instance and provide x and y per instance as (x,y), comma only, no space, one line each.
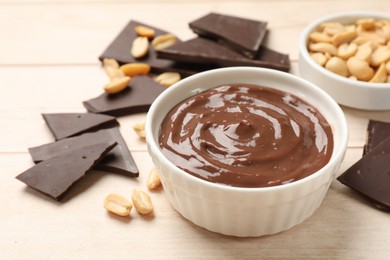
(243,35)
(370,176)
(118,160)
(137,98)
(57,175)
(64,125)
(200,50)
(377,132)
(119,50)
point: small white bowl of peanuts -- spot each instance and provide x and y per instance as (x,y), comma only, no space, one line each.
(348,56)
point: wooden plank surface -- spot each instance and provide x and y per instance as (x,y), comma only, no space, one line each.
(48,63)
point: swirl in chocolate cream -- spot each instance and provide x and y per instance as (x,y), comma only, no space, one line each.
(246,136)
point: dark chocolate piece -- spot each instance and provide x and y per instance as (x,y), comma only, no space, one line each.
(243,35)
(118,160)
(119,50)
(200,50)
(377,132)
(137,98)
(64,125)
(57,175)
(370,176)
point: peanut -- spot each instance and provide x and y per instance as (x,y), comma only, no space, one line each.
(380,55)
(360,50)
(111,67)
(118,205)
(320,37)
(338,66)
(142,202)
(364,52)
(163,41)
(373,36)
(367,23)
(388,67)
(139,129)
(360,69)
(380,75)
(140,47)
(153,181)
(323,47)
(168,78)
(110,63)
(332,28)
(319,57)
(144,31)
(345,50)
(359,40)
(133,69)
(343,37)
(117,84)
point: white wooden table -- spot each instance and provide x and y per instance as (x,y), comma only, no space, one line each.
(48,63)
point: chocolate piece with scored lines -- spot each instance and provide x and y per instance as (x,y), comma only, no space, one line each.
(118,160)
(57,175)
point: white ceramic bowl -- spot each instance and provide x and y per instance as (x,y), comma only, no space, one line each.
(351,93)
(245,211)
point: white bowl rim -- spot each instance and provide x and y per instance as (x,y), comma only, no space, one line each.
(152,144)
(334,17)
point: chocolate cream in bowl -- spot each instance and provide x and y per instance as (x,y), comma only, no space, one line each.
(246,136)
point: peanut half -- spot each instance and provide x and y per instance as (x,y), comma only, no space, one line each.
(118,205)
(117,85)
(111,67)
(338,66)
(360,69)
(142,202)
(139,129)
(133,69)
(140,47)
(144,31)
(153,181)
(163,41)
(168,78)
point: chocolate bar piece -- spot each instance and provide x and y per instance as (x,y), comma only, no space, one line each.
(243,35)
(377,131)
(370,176)
(118,160)
(137,98)
(57,175)
(201,50)
(119,50)
(64,125)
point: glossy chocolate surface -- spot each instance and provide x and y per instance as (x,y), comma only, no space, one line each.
(246,136)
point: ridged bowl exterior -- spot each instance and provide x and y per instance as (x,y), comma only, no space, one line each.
(238,211)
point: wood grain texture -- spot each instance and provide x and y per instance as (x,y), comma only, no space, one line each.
(48,64)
